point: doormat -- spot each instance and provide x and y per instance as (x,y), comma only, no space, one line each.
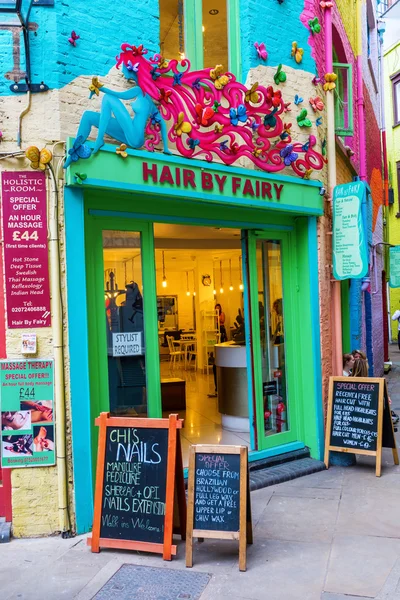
(132,582)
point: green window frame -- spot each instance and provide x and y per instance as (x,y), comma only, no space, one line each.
(192,10)
(343,99)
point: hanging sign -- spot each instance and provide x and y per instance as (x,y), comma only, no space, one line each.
(219,497)
(139,469)
(26,259)
(27,413)
(350,256)
(394,257)
(359,418)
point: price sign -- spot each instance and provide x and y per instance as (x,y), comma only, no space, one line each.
(27,413)
(24,216)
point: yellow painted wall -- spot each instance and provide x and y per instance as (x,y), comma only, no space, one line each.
(347,10)
(391,66)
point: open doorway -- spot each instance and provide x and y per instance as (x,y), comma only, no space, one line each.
(200,316)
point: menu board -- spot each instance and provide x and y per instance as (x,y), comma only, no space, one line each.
(350,257)
(27,413)
(355,414)
(139,484)
(26,260)
(217,492)
(134,486)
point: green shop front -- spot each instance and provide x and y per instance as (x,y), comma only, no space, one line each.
(192,288)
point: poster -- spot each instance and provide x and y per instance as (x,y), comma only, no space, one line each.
(127,344)
(28,343)
(26,261)
(350,256)
(394,257)
(27,413)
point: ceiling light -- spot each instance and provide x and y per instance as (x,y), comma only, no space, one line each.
(164,279)
(213,12)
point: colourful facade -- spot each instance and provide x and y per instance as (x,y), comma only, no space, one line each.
(229,170)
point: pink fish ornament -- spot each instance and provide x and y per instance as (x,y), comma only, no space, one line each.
(261,50)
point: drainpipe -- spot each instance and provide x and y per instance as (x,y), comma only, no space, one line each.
(336,314)
(58,350)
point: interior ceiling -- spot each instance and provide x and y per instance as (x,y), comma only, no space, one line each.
(184,258)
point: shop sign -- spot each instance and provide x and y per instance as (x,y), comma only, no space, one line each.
(350,257)
(27,413)
(25,249)
(394,256)
(127,344)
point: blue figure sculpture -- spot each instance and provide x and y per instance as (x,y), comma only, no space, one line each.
(115,120)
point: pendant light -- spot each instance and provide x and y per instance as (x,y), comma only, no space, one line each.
(240,274)
(164,279)
(230,275)
(214,282)
(187,284)
(221,289)
(194,289)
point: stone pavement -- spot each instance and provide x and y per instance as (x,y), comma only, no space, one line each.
(333,535)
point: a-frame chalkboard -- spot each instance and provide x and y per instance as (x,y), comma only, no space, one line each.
(359,418)
(139,476)
(219,497)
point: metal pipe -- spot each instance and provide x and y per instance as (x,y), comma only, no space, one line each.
(336,313)
(22,114)
(58,350)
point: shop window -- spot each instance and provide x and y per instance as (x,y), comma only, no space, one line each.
(396,98)
(205,31)
(343,99)
(172,32)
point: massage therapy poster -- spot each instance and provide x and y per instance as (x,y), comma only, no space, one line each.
(27,413)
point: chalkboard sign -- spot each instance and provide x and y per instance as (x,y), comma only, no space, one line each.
(139,462)
(218,497)
(217,492)
(135,481)
(359,418)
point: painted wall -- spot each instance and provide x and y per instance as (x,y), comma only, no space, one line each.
(392,66)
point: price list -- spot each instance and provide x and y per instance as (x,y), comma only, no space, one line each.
(355,415)
(24,216)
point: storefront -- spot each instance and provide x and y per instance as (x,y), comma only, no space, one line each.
(120,224)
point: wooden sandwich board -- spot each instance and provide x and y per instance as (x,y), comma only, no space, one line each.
(139,476)
(359,419)
(219,497)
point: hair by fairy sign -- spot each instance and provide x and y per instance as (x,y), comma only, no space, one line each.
(205,114)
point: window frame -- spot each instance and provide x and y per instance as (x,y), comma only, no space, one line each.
(349,130)
(395,80)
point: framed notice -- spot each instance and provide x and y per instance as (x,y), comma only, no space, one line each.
(26,262)
(394,260)
(350,255)
(219,497)
(27,413)
(139,475)
(359,418)
(127,344)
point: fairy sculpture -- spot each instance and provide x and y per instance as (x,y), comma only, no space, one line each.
(212,115)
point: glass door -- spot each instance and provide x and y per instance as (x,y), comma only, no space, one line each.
(123,338)
(271,289)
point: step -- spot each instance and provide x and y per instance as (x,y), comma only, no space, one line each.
(280,473)
(272,461)
(5,532)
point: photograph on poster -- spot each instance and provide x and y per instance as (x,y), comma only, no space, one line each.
(41,412)
(16,420)
(27,409)
(44,438)
(17,444)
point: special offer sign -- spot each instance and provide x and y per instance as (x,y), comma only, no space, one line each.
(26,259)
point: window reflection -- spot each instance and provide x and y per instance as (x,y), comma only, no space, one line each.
(215,33)
(271,315)
(172,34)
